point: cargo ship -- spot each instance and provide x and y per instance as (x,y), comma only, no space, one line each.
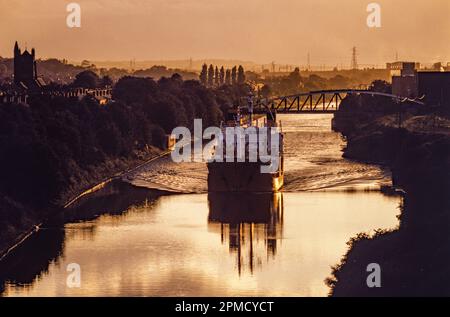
(245,175)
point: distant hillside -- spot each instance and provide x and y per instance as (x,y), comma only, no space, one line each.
(63,72)
(51,70)
(177,64)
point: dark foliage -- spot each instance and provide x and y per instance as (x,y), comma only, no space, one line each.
(87,79)
(46,147)
(43,143)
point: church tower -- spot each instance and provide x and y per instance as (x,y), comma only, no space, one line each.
(25,71)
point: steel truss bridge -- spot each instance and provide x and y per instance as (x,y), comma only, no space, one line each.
(322,101)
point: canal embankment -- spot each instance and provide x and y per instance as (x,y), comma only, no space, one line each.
(414,258)
(26,220)
(417,151)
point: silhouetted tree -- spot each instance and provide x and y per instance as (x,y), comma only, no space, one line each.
(211,75)
(86,79)
(222,76)
(216,77)
(134,89)
(204,74)
(265,91)
(339,82)
(295,77)
(381,86)
(234,75)
(228,77)
(87,64)
(106,81)
(241,75)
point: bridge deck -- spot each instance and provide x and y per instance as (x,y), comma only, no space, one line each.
(323,101)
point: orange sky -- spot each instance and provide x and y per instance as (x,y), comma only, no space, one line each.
(259,30)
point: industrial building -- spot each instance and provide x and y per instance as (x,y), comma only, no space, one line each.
(433,86)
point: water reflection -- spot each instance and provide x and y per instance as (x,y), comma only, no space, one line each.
(194,245)
(251,225)
(414,260)
(31,261)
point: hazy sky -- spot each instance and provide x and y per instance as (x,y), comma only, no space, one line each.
(259,30)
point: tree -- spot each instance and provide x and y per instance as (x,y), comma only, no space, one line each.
(339,82)
(241,75)
(234,75)
(3,70)
(204,75)
(228,77)
(222,76)
(216,77)
(87,64)
(265,91)
(211,75)
(134,90)
(86,79)
(106,81)
(381,86)
(295,78)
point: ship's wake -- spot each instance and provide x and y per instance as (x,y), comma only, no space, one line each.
(163,174)
(312,156)
(190,178)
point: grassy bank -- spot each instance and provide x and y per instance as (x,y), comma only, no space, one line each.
(82,182)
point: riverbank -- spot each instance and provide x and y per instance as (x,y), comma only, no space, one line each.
(413,258)
(82,183)
(417,151)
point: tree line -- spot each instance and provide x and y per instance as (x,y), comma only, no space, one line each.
(212,76)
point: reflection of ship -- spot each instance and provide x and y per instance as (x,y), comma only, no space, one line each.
(251,223)
(245,175)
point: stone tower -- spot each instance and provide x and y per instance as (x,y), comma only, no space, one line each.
(25,72)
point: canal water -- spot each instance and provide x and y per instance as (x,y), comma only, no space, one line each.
(132,242)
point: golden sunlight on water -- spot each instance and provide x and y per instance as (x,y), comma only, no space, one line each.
(213,244)
(313,161)
(189,245)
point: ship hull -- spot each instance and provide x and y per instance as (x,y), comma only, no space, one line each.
(242,177)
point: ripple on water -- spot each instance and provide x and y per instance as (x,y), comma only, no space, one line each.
(313,161)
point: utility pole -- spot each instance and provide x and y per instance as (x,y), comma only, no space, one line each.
(308,62)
